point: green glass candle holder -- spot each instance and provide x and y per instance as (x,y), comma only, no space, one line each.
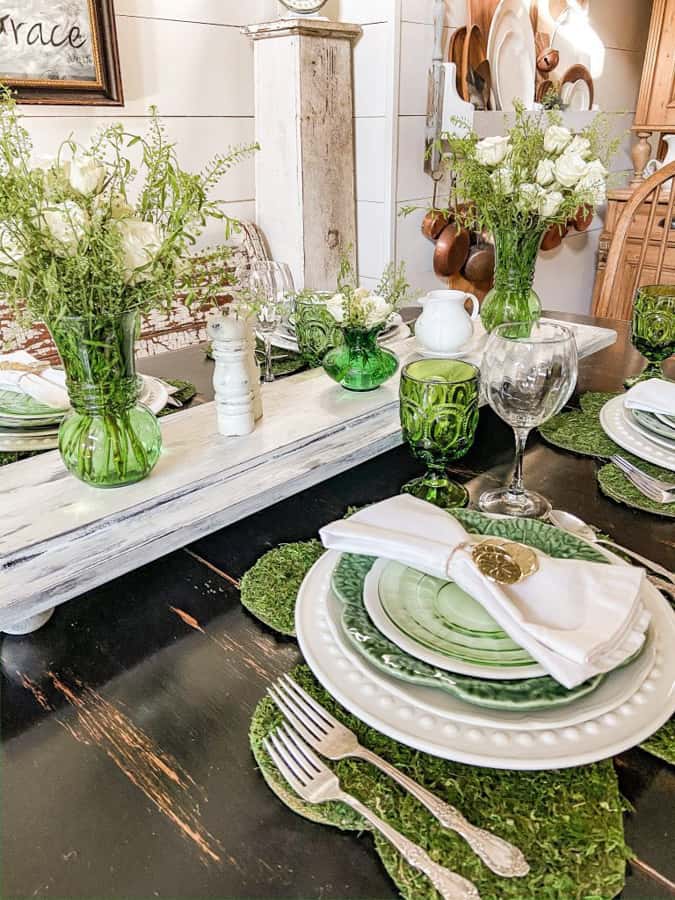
(316,330)
(439,416)
(108,439)
(653,328)
(359,363)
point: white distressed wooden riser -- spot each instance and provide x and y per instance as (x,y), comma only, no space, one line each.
(60,538)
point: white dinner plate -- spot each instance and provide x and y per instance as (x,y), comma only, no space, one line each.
(489,738)
(578,97)
(379,618)
(618,428)
(512,54)
(395,331)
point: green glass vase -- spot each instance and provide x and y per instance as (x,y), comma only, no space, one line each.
(108,439)
(653,329)
(359,363)
(316,330)
(512,299)
(439,417)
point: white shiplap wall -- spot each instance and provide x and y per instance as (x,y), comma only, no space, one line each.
(189,58)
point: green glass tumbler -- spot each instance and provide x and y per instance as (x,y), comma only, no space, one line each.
(439,416)
(108,439)
(316,330)
(359,363)
(653,328)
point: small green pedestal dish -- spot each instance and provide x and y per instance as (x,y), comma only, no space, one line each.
(439,417)
(316,330)
(653,329)
(108,439)
(359,363)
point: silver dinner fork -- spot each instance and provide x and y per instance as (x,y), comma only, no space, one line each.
(314,782)
(654,488)
(333,740)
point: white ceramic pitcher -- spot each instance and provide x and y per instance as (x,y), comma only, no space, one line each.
(445,326)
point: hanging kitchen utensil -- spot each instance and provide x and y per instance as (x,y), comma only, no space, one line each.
(480,265)
(583,219)
(435,221)
(554,237)
(548,60)
(474,53)
(432,158)
(452,249)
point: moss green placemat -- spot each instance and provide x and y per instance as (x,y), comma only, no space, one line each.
(581,432)
(270,588)
(568,823)
(186,391)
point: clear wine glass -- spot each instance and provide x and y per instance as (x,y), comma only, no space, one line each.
(272,286)
(528,373)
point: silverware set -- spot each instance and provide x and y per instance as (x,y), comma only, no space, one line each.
(310,727)
(653,488)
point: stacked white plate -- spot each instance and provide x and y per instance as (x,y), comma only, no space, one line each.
(628,705)
(647,435)
(284,337)
(27,426)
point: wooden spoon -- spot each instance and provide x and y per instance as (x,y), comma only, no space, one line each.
(452,249)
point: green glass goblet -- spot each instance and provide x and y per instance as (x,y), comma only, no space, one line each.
(439,416)
(315,328)
(653,328)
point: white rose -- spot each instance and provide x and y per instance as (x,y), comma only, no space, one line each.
(378,310)
(362,293)
(545,172)
(529,195)
(594,183)
(570,168)
(580,145)
(491,151)
(10,253)
(66,223)
(335,307)
(86,175)
(556,138)
(141,242)
(549,203)
(502,180)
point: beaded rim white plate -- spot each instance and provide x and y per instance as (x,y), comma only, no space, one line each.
(645,432)
(398,714)
(616,426)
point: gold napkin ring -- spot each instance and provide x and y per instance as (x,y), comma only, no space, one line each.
(504,562)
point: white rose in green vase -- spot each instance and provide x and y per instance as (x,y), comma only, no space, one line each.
(86,175)
(492,151)
(141,243)
(65,223)
(545,172)
(570,169)
(556,138)
(549,204)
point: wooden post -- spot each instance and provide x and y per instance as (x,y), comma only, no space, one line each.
(305,190)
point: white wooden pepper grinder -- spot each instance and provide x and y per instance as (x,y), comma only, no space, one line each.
(232,380)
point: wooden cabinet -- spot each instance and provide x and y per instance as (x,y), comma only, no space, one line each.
(622,298)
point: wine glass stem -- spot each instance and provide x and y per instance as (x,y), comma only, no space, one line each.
(516,486)
(269,375)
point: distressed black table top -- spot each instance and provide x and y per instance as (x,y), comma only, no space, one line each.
(126,768)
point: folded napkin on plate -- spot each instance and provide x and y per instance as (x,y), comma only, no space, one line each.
(575,618)
(47,387)
(654,395)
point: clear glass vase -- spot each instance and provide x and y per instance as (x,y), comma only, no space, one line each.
(359,363)
(512,298)
(108,439)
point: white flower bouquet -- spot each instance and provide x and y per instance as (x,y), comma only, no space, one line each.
(362,308)
(518,186)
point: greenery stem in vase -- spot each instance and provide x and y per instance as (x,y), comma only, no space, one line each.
(513,299)
(89,242)
(108,439)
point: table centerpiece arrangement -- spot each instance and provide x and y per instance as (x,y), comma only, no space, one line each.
(88,243)
(359,363)
(518,187)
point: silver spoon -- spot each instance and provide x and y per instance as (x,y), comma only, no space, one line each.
(574,525)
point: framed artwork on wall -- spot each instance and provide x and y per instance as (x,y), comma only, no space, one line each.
(60,52)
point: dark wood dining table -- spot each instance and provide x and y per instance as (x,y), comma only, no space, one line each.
(165,664)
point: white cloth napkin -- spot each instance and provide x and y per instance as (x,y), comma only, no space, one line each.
(47,387)
(575,618)
(654,395)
